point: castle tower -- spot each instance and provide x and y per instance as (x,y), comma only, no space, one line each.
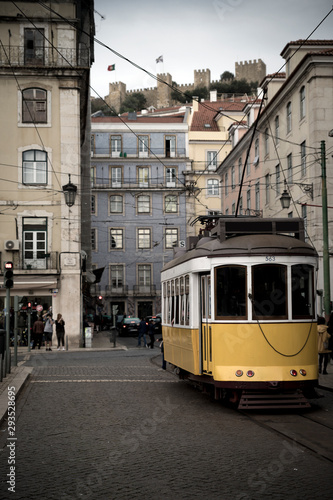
(164,91)
(251,71)
(202,78)
(117,94)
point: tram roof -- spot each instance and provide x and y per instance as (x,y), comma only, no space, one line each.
(244,245)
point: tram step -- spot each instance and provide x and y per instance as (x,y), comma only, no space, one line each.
(263,400)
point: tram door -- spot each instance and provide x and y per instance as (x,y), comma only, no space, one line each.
(206,329)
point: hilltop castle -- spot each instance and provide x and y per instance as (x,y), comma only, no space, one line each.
(160,96)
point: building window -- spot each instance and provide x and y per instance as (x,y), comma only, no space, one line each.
(257,196)
(144,238)
(93,204)
(241,205)
(248,199)
(34,46)
(233,182)
(116,204)
(116,177)
(303,159)
(171,204)
(266,142)
(212,187)
(256,152)
(116,239)
(34,106)
(248,167)
(34,167)
(143,176)
(92,176)
(233,209)
(240,171)
(212,160)
(143,204)
(144,275)
(267,187)
(288,117)
(170,146)
(115,146)
(171,238)
(94,239)
(170,176)
(226,180)
(277,130)
(92,144)
(302,102)
(277,179)
(117,275)
(143,145)
(290,168)
(34,243)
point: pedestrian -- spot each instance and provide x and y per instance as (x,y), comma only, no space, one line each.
(162,352)
(323,339)
(37,331)
(330,331)
(48,331)
(60,331)
(142,332)
(151,333)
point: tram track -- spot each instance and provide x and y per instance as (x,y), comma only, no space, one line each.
(312,429)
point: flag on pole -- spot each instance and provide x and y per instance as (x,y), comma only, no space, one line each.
(159,59)
(111,67)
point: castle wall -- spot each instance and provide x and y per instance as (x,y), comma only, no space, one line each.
(251,71)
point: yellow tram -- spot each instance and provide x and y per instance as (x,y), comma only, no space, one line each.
(238,311)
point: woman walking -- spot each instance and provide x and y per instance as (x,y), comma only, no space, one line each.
(60,331)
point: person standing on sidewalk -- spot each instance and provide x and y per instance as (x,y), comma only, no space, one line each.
(38,330)
(60,331)
(323,338)
(142,333)
(48,331)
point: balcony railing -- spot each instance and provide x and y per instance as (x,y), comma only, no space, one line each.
(144,290)
(49,57)
(45,262)
(128,153)
(113,291)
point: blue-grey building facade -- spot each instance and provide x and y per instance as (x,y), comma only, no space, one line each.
(138,207)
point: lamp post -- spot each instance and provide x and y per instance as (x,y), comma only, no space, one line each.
(69,192)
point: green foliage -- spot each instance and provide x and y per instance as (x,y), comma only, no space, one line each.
(133,102)
(200,92)
(235,87)
(227,75)
(100,105)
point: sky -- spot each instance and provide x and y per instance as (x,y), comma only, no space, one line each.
(197,34)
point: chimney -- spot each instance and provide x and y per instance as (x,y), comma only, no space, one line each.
(213,95)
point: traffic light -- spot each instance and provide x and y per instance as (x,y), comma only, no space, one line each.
(29,307)
(8,275)
(100,297)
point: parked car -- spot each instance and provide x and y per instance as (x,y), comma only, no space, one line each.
(129,326)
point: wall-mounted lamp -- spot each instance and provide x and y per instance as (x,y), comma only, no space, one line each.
(69,192)
(286,198)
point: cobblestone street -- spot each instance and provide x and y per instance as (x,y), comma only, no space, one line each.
(113,425)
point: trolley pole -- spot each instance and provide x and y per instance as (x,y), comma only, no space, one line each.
(326,257)
(8,353)
(16,308)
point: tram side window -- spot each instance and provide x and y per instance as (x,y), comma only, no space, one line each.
(269,291)
(302,291)
(230,292)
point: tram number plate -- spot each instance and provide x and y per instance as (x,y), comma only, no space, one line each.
(270,258)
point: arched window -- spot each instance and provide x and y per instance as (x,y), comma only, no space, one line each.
(34,106)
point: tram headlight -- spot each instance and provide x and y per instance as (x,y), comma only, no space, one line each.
(239,373)
(302,372)
(250,373)
(293,373)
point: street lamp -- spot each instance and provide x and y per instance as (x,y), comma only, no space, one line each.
(69,192)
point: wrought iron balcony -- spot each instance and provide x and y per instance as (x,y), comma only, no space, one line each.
(48,57)
(41,263)
(116,290)
(147,290)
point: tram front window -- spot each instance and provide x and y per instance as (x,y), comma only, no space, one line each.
(269,291)
(302,291)
(230,292)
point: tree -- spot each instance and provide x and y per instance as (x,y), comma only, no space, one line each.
(200,92)
(227,75)
(100,105)
(235,87)
(133,102)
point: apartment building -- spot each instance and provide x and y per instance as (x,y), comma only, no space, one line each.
(282,150)
(138,206)
(45,56)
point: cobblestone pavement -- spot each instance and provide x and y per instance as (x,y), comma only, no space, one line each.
(113,425)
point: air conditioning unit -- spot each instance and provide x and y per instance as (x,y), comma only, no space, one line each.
(12,245)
